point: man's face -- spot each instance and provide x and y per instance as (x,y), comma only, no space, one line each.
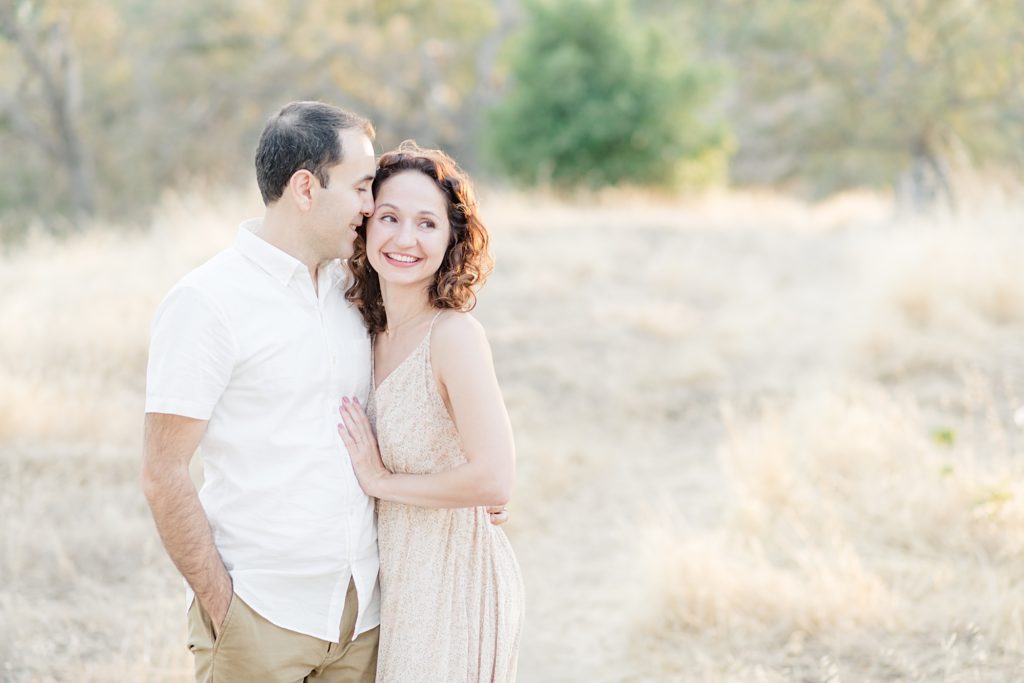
(338,210)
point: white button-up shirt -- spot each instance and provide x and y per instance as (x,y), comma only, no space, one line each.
(246,343)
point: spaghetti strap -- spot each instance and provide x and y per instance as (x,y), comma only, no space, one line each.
(429,376)
(422,350)
(431,328)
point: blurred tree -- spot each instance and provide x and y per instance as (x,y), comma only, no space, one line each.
(43,104)
(598,98)
(104,104)
(873,92)
(433,59)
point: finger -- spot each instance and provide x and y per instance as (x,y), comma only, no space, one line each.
(362,422)
(345,432)
(351,424)
(499,518)
(356,409)
(350,420)
(346,437)
(350,439)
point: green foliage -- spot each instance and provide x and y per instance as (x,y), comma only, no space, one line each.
(944,437)
(599,99)
(872,92)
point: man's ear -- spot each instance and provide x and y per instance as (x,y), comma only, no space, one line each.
(300,187)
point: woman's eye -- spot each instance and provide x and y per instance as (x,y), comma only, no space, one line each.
(388,218)
(427,224)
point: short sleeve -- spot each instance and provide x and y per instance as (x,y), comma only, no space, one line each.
(191,355)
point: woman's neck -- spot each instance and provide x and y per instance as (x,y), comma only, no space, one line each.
(403,305)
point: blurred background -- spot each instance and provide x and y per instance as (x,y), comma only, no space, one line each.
(758,312)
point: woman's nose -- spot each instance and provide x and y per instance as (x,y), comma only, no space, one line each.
(406,235)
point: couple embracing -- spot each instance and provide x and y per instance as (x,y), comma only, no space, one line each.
(356,450)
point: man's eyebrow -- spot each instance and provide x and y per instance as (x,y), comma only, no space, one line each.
(365,178)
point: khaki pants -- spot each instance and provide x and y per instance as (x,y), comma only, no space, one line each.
(250,649)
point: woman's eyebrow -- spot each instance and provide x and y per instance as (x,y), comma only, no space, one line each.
(392,206)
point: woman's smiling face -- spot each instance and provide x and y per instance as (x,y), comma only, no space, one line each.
(408,233)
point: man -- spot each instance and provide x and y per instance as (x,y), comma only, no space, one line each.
(250,355)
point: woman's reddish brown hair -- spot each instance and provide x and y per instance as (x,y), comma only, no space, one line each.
(467,261)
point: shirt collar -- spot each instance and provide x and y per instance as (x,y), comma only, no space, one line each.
(279,264)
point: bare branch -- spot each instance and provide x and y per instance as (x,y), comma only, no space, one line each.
(26,128)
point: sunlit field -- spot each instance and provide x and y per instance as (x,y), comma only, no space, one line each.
(757,440)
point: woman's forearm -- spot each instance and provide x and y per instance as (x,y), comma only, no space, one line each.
(469,485)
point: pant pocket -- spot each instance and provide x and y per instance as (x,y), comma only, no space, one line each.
(200,632)
(200,641)
(245,649)
(226,625)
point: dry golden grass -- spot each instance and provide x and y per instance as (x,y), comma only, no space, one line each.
(758,441)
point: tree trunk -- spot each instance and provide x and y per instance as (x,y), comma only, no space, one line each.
(924,186)
(60,81)
(66,111)
(485,90)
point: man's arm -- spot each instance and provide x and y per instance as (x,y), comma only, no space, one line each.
(170,442)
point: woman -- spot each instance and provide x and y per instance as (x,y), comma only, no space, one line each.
(451,593)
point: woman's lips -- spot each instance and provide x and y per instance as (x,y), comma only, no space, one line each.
(401,260)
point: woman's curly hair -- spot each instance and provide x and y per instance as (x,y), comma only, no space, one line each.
(467,261)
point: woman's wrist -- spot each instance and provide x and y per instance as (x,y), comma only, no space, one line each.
(378,483)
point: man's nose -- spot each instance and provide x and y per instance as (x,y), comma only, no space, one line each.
(367,209)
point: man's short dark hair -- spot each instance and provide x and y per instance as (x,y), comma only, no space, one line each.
(303,135)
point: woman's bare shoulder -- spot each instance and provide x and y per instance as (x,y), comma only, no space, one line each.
(459,337)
